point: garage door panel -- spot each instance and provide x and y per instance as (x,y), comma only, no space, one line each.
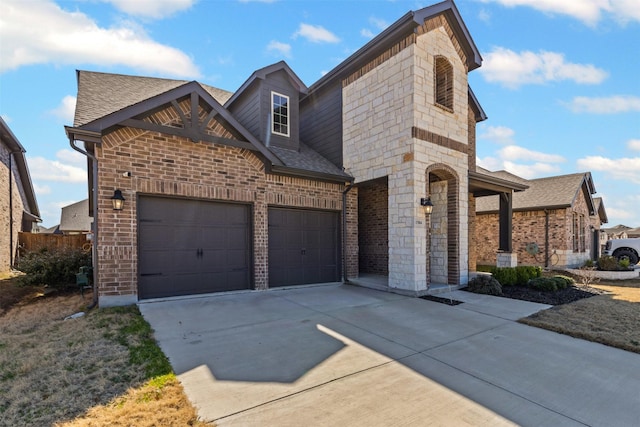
(302,247)
(189,247)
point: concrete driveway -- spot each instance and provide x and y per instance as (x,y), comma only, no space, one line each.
(338,355)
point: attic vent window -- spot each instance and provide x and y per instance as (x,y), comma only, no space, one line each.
(443,83)
(280,118)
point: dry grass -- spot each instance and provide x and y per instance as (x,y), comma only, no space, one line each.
(612,319)
(100,369)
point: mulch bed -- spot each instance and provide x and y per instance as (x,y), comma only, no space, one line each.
(563,296)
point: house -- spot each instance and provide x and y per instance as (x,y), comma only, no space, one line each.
(620,231)
(280,184)
(18,207)
(75,219)
(556,222)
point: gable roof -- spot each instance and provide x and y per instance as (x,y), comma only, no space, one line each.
(403,27)
(553,192)
(599,208)
(75,217)
(262,74)
(107,101)
(31,210)
(104,93)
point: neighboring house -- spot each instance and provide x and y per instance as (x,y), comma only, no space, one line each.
(51,230)
(75,219)
(620,231)
(18,207)
(634,232)
(556,222)
(280,184)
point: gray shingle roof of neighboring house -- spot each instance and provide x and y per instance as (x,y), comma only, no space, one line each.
(75,217)
(545,193)
(104,93)
(502,174)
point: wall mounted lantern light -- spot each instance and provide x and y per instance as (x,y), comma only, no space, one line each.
(427,204)
(117,200)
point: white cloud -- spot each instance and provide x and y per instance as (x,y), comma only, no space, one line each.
(633,144)
(71,156)
(6,118)
(498,134)
(365,32)
(42,190)
(623,169)
(607,105)
(40,31)
(281,49)
(378,23)
(66,110)
(514,152)
(484,16)
(522,162)
(512,69)
(588,11)
(53,170)
(151,8)
(316,34)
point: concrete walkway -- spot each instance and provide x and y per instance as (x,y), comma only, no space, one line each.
(338,355)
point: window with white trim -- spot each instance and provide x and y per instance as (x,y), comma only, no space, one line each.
(279,114)
(443,76)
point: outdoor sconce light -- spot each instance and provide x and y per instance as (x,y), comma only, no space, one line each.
(427,204)
(117,200)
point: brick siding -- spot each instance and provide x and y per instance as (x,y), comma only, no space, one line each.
(168,165)
(8,244)
(373,222)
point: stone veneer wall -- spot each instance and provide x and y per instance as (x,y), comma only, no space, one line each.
(9,243)
(173,166)
(383,108)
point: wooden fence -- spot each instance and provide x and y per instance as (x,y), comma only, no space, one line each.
(36,241)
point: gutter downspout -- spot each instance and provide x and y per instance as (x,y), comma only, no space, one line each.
(11,259)
(94,196)
(345,279)
(546,238)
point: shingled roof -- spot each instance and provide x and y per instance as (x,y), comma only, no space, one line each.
(75,217)
(545,193)
(104,93)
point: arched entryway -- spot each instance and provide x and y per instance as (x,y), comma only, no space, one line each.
(443,245)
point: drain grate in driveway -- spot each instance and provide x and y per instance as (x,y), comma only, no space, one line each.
(441,300)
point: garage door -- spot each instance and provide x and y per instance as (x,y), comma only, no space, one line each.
(192,247)
(303,247)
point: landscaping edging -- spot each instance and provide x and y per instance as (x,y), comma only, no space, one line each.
(607,275)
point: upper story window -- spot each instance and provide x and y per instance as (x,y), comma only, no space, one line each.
(280,114)
(443,73)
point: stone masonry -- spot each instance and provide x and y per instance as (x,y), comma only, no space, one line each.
(381,111)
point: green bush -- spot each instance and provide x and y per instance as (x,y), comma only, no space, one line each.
(624,263)
(484,268)
(608,263)
(510,276)
(56,268)
(484,284)
(544,284)
(564,281)
(588,263)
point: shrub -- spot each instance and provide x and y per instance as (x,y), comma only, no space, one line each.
(608,263)
(624,263)
(505,275)
(484,268)
(56,268)
(564,281)
(510,276)
(485,284)
(588,263)
(544,283)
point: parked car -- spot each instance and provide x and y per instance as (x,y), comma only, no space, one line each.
(624,248)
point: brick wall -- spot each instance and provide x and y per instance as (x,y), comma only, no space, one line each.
(173,166)
(373,224)
(529,227)
(8,243)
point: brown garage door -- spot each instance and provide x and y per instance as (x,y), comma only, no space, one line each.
(303,247)
(192,247)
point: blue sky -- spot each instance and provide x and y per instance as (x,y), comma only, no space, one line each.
(559,80)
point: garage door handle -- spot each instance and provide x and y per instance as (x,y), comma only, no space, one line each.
(150,274)
(199,253)
(303,251)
